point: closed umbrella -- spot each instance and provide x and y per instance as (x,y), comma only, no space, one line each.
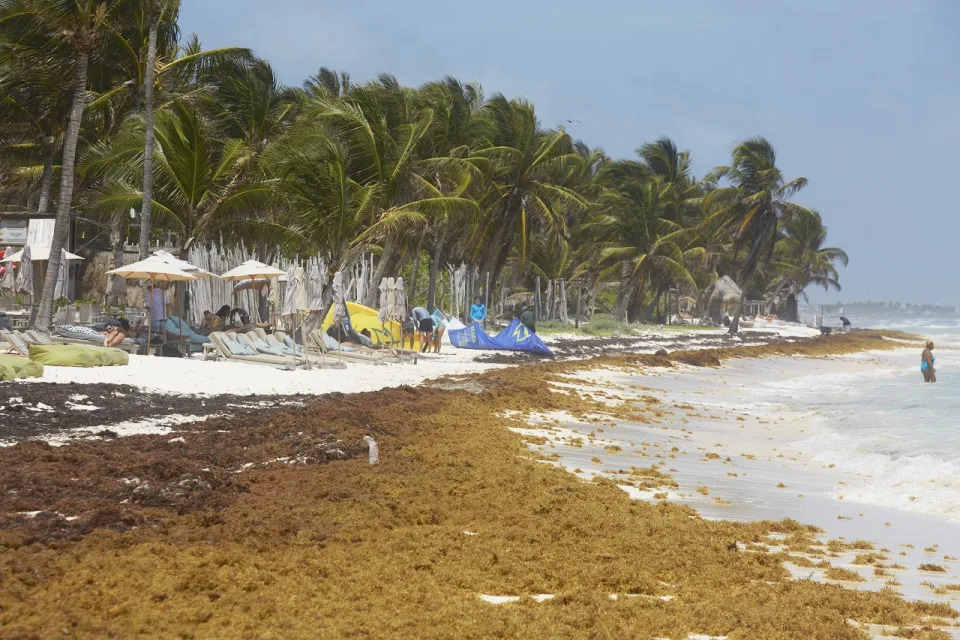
(287,310)
(384,300)
(154,269)
(315,288)
(25,272)
(400,302)
(9,281)
(60,288)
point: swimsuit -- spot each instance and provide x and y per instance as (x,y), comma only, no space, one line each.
(924,365)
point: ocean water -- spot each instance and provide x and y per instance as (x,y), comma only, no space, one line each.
(900,437)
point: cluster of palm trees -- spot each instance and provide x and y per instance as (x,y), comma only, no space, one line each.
(106,99)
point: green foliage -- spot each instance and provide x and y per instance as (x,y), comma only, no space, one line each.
(343,168)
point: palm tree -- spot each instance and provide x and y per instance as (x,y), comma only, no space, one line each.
(634,235)
(751,208)
(802,260)
(34,115)
(200,189)
(66,24)
(531,174)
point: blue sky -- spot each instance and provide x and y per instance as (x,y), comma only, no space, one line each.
(862,97)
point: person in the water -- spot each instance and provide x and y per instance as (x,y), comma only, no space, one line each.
(926,364)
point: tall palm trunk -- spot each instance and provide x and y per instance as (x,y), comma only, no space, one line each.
(116,245)
(415,274)
(150,136)
(46,181)
(386,259)
(624,293)
(761,244)
(434,271)
(66,189)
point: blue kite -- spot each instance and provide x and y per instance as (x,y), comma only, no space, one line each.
(516,337)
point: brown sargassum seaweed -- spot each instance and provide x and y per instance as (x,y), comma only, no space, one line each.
(331,547)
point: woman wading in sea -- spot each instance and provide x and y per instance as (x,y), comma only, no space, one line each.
(926,364)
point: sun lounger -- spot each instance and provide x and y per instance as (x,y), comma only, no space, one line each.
(259,345)
(333,349)
(13,343)
(231,349)
(85,336)
(285,343)
(178,330)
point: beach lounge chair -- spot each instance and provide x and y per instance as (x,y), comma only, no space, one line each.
(71,334)
(11,342)
(260,345)
(178,330)
(233,347)
(323,344)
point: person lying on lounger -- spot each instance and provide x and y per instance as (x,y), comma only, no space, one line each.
(117,333)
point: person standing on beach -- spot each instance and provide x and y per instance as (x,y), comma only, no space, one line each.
(478,312)
(527,320)
(926,364)
(158,308)
(424,325)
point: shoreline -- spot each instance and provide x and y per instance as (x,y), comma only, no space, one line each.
(735,458)
(454,511)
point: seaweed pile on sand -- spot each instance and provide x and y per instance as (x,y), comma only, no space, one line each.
(38,409)
(457,508)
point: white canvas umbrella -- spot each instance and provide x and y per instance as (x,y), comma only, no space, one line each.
(60,288)
(295,300)
(39,253)
(155,270)
(391,297)
(25,272)
(384,300)
(315,288)
(400,302)
(9,279)
(252,270)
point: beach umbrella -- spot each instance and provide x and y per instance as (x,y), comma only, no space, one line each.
(9,281)
(25,272)
(295,300)
(153,269)
(400,302)
(315,288)
(60,288)
(252,270)
(384,301)
(246,285)
(197,272)
(39,253)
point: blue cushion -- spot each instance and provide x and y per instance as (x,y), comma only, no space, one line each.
(236,347)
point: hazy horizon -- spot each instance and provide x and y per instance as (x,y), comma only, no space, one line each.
(862,99)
